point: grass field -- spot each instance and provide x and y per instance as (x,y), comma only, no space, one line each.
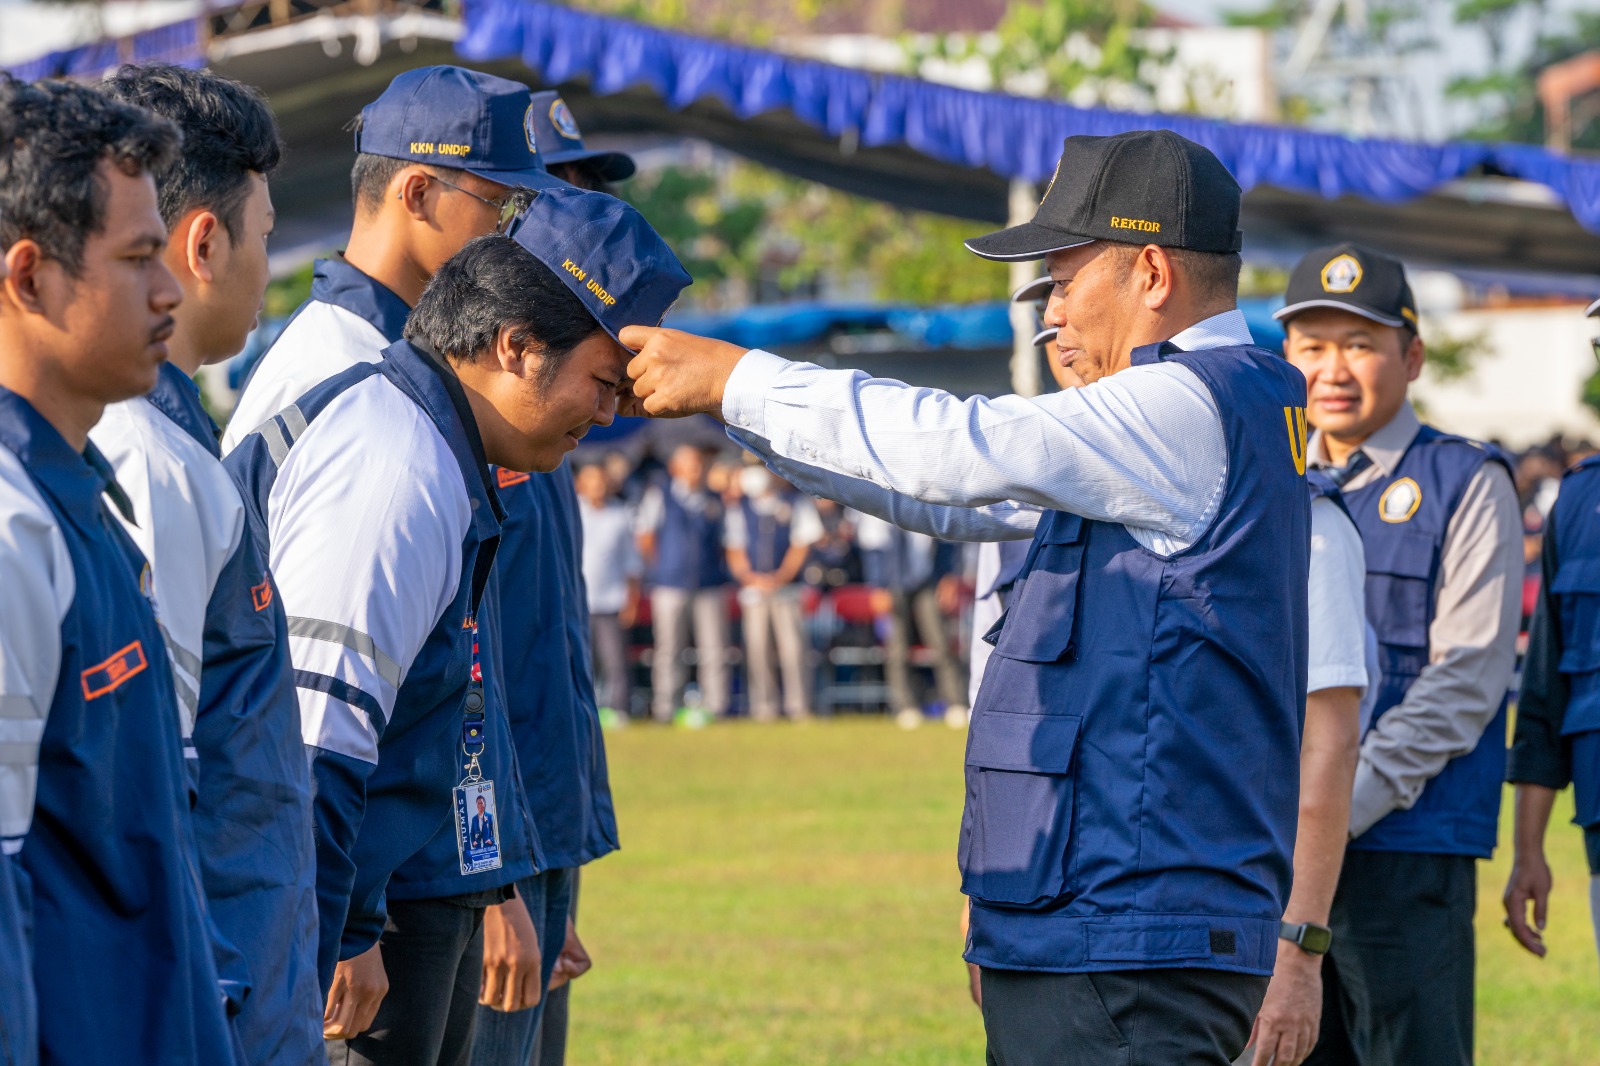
(787,895)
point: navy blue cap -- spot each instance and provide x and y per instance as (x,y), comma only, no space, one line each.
(606,253)
(556,133)
(453,117)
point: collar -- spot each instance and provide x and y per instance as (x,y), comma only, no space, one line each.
(1227,330)
(75,480)
(1385,447)
(177,396)
(440,394)
(336,282)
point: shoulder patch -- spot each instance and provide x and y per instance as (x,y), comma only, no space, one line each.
(109,675)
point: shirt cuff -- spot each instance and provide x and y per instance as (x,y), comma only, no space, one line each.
(744,397)
(1371,799)
(1336,675)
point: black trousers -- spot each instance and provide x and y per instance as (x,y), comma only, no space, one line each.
(1119,1018)
(433,956)
(1397,986)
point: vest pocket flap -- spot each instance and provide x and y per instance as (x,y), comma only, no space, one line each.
(1026,743)
(1148,943)
(1577,575)
(1401,553)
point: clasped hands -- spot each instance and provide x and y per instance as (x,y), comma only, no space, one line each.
(675,373)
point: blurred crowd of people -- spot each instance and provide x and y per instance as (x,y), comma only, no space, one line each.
(716,588)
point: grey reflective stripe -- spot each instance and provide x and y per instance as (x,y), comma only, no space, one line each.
(186,659)
(190,698)
(17,707)
(277,444)
(354,639)
(294,421)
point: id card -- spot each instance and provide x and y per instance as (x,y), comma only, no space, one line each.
(477,827)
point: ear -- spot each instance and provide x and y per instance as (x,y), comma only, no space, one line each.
(411,188)
(200,235)
(1416,354)
(25,262)
(1153,273)
(509,355)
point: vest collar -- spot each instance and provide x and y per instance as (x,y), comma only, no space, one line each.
(336,282)
(75,480)
(1385,447)
(178,397)
(1227,330)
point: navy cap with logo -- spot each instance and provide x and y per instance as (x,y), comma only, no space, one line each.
(1354,278)
(1143,187)
(453,117)
(1035,291)
(606,253)
(559,140)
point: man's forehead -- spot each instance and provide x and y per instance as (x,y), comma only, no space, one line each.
(1064,264)
(1328,323)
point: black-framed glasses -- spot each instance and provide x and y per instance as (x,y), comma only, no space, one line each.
(507,207)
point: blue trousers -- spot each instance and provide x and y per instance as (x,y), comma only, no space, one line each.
(508,1039)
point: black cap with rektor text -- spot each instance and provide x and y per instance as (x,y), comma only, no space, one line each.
(1354,278)
(1143,187)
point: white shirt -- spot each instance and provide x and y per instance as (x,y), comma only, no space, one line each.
(610,555)
(37,576)
(805,525)
(366,520)
(188,520)
(320,342)
(1343,649)
(1143,448)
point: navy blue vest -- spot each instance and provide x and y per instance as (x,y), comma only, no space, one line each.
(549,691)
(1575,539)
(1133,761)
(766,535)
(1403,518)
(125,963)
(405,801)
(689,552)
(178,397)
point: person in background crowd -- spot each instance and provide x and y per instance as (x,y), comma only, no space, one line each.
(223,621)
(1443,539)
(611,571)
(913,585)
(411,216)
(97,849)
(768,537)
(680,539)
(1557,738)
(549,667)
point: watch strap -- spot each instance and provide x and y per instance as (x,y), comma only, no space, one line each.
(1310,937)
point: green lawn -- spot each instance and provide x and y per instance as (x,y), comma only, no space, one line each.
(787,895)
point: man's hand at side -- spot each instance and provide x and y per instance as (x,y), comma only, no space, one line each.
(676,373)
(1290,1017)
(359,985)
(510,958)
(574,960)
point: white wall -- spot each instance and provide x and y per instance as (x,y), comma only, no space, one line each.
(1526,386)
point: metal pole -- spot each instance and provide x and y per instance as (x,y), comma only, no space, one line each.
(1024,356)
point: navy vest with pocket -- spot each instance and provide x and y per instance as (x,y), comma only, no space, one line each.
(1575,526)
(1134,755)
(689,553)
(1403,518)
(766,535)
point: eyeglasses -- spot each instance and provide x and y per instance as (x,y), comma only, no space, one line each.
(508,207)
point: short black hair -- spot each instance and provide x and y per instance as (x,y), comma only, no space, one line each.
(53,137)
(371,175)
(228,134)
(493,283)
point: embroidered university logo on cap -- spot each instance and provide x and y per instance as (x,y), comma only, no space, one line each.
(1341,274)
(561,118)
(528,129)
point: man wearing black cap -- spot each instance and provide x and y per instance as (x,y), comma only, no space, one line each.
(1557,738)
(1133,752)
(1443,539)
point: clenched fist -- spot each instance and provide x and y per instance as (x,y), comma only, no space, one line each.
(677,373)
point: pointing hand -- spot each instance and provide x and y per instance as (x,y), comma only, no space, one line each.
(677,373)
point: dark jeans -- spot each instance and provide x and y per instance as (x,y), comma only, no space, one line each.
(1397,986)
(610,642)
(433,956)
(1119,1018)
(511,1039)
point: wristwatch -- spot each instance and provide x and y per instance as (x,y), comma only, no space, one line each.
(1310,937)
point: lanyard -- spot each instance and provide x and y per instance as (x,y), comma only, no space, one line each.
(472,736)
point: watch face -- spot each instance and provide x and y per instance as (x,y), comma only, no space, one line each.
(1316,939)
